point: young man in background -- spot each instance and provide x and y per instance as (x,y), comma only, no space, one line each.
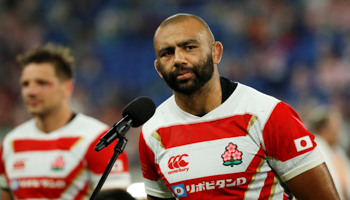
(52,156)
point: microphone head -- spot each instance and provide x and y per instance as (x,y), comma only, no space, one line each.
(140,110)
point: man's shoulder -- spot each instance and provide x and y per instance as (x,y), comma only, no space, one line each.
(28,126)
(251,100)
(253,94)
(86,125)
(164,114)
(20,131)
(88,121)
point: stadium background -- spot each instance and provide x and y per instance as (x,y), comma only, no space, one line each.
(295,50)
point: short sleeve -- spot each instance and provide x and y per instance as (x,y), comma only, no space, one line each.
(119,177)
(290,148)
(154,185)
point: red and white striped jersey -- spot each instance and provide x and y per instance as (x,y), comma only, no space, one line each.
(59,165)
(231,152)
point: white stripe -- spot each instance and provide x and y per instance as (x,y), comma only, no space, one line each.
(302,169)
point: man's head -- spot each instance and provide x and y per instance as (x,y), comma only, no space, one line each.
(326,121)
(47,78)
(186,53)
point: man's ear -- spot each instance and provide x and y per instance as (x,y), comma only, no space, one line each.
(217,52)
(69,87)
(156,65)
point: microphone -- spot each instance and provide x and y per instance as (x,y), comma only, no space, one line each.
(135,114)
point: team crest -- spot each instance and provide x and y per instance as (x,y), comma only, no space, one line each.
(58,164)
(232,156)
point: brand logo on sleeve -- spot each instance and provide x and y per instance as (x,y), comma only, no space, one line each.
(178,163)
(303,143)
(232,156)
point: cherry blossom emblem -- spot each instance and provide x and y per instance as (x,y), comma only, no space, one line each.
(232,156)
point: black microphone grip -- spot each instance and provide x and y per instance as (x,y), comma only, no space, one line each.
(118,130)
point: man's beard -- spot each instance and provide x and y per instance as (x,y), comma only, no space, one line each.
(203,71)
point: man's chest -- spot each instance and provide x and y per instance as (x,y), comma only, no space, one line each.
(208,158)
(219,164)
(55,159)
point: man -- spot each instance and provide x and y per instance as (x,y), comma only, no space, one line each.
(325,122)
(52,156)
(216,139)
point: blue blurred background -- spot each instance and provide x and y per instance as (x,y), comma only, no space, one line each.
(295,50)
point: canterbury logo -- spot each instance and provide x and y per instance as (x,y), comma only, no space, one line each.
(177,161)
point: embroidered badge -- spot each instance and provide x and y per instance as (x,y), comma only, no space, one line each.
(232,156)
(58,164)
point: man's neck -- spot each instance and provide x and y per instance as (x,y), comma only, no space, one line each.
(54,120)
(204,100)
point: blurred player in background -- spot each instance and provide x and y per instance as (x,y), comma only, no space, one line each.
(325,122)
(217,139)
(52,156)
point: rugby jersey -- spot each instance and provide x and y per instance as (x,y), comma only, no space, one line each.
(59,165)
(236,151)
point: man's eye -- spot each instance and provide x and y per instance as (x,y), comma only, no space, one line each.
(24,84)
(166,53)
(42,82)
(190,47)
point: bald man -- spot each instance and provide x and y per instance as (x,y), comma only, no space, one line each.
(217,139)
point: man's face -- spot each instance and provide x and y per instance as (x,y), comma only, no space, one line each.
(201,72)
(184,56)
(42,91)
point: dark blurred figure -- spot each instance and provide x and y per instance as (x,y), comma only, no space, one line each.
(115,194)
(325,122)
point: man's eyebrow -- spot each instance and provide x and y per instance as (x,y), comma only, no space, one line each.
(181,44)
(187,42)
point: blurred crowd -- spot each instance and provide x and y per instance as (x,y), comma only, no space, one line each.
(295,50)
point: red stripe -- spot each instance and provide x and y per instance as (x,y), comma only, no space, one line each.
(44,145)
(206,131)
(266,190)
(146,159)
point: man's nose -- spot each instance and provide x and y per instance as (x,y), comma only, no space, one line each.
(179,57)
(30,89)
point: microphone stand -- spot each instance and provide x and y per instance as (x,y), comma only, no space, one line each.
(118,149)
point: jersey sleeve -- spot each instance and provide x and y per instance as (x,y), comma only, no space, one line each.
(3,181)
(290,148)
(154,185)
(119,177)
